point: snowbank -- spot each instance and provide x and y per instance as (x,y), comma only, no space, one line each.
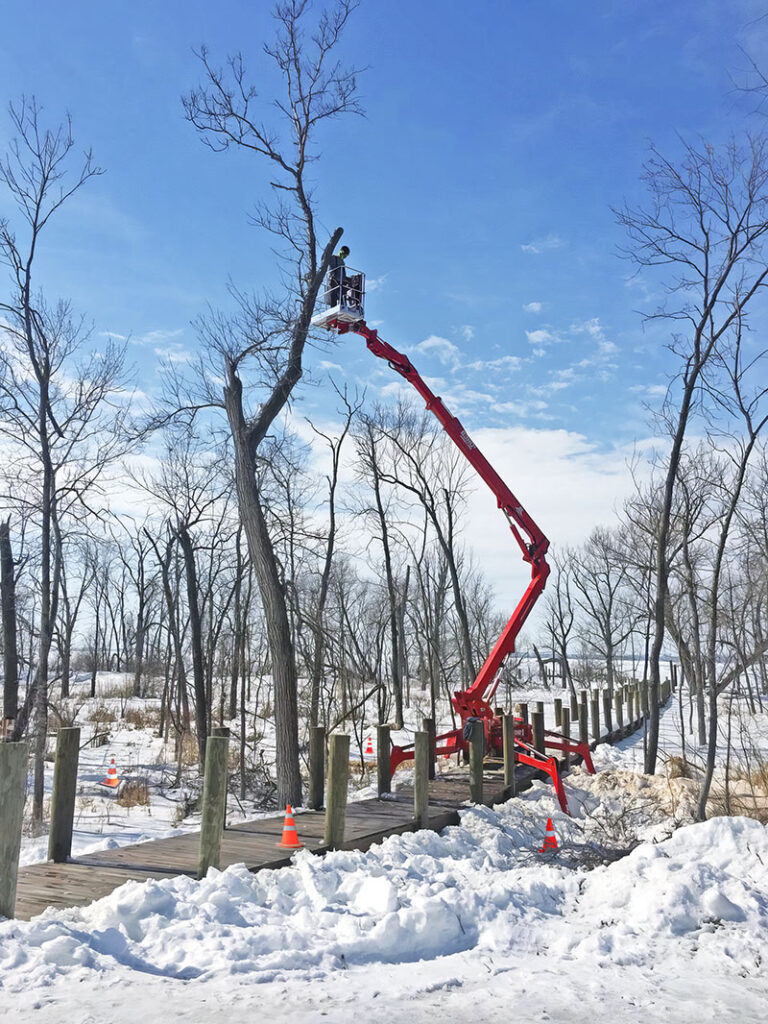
(478,886)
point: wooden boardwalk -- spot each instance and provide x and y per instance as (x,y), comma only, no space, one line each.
(253,843)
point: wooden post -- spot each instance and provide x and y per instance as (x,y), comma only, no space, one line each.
(607,711)
(63,797)
(421,755)
(574,708)
(537,721)
(223,730)
(384,748)
(476,744)
(523,709)
(565,729)
(214,803)
(618,707)
(508,735)
(13,793)
(583,719)
(540,706)
(338,781)
(428,725)
(558,711)
(595,709)
(316,767)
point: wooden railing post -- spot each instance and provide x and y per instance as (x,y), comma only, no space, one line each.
(607,711)
(338,783)
(630,708)
(428,724)
(583,718)
(558,711)
(13,794)
(540,706)
(565,729)
(214,803)
(537,723)
(523,709)
(383,753)
(508,737)
(618,707)
(63,796)
(421,756)
(316,767)
(476,757)
(574,708)
(595,708)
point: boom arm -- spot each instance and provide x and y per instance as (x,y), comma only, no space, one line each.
(475,701)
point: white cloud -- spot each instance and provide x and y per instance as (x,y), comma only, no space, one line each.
(467,332)
(446,351)
(539,337)
(565,482)
(540,245)
(502,363)
(158,337)
(533,307)
(174,354)
(375,284)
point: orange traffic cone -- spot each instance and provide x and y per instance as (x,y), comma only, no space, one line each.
(550,839)
(290,838)
(111,781)
(369,746)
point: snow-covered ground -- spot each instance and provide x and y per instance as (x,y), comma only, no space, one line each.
(473,923)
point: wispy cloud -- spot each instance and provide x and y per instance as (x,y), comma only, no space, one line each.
(540,337)
(540,245)
(158,337)
(445,350)
(533,307)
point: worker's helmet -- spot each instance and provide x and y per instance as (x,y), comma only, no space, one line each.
(344,251)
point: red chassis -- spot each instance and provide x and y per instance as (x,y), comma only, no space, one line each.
(475,702)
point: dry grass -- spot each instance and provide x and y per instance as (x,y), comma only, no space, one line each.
(101,717)
(143,718)
(679,768)
(135,793)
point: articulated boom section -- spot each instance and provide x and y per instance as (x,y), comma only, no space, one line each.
(475,702)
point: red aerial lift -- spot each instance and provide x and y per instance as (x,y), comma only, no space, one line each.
(344,297)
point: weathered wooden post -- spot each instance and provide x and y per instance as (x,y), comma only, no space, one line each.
(421,754)
(595,709)
(630,708)
(13,793)
(618,707)
(508,736)
(523,709)
(574,708)
(565,729)
(428,725)
(607,714)
(316,767)
(476,756)
(214,803)
(384,748)
(583,718)
(537,721)
(338,782)
(540,706)
(558,711)
(63,796)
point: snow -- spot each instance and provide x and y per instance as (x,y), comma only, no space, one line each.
(473,923)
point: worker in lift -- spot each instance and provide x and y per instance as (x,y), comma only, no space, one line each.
(336,275)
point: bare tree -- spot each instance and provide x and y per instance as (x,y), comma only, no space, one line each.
(705,224)
(266,335)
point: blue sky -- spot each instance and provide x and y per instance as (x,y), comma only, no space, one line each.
(477,190)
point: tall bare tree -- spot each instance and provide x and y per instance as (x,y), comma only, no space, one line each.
(267,338)
(705,224)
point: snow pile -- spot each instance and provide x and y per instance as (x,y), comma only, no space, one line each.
(480,886)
